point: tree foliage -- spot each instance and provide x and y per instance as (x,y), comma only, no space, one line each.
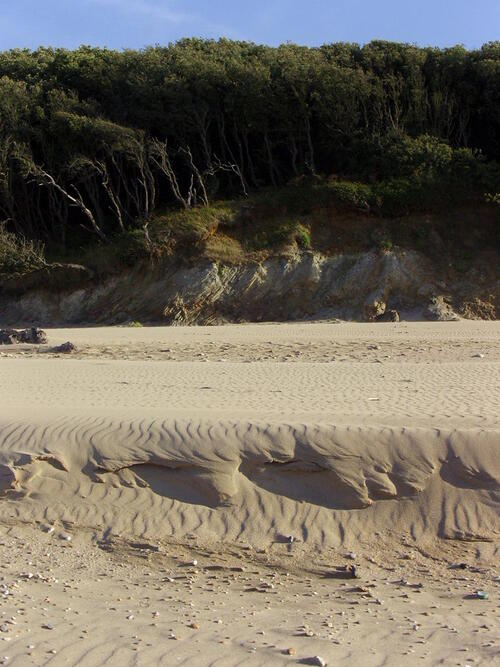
(92,141)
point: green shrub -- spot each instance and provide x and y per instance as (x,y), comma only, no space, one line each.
(386,244)
(303,237)
(192,226)
(124,250)
(397,196)
(356,194)
(277,233)
(19,255)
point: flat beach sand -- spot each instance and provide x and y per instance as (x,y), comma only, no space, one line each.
(272,494)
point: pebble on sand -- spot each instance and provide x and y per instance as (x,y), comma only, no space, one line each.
(317,660)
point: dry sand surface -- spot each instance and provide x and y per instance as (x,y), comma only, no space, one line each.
(204,496)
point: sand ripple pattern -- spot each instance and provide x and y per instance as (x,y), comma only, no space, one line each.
(251,480)
(388,393)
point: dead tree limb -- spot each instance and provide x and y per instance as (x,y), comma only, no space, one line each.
(44,178)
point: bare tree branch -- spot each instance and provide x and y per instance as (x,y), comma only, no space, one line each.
(44,178)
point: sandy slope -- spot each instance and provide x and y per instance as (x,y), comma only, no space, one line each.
(382,440)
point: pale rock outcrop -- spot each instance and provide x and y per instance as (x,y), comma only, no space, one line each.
(305,284)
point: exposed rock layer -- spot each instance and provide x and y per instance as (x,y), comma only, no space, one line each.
(362,286)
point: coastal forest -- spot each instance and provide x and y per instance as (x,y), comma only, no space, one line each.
(149,149)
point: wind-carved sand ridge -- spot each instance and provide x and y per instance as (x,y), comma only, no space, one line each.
(253,480)
(184,488)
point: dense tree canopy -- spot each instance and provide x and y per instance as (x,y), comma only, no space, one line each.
(92,141)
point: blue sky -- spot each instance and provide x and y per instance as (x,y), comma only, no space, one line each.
(138,23)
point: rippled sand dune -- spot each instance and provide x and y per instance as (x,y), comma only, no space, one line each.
(351,438)
(253,480)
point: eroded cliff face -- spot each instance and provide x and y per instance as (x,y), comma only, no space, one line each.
(349,286)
